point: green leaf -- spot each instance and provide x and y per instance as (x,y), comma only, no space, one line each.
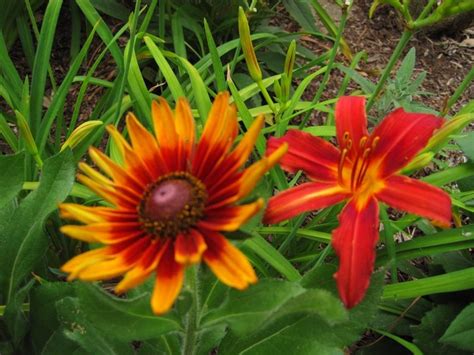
(21,241)
(40,67)
(301,12)
(466,142)
(432,327)
(460,332)
(11,176)
(124,319)
(272,256)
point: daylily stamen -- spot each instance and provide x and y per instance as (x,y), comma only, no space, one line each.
(364,166)
(341,165)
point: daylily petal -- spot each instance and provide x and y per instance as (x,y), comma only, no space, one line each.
(228,262)
(303,198)
(316,157)
(169,280)
(401,135)
(354,242)
(417,197)
(351,121)
(189,247)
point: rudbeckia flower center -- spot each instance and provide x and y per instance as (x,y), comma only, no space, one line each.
(172,204)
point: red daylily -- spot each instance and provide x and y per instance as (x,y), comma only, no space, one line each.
(364,170)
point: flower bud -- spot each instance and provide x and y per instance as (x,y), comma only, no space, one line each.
(25,132)
(80,133)
(247,47)
(442,135)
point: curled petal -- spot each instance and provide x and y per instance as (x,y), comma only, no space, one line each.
(169,280)
(401,135)
(228,262)
(316,157)
(354,242)
(351,121)
(417,197)
(303,198)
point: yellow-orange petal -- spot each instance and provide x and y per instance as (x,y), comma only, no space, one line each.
(169,280)
(76,264)
(146,147)
(230,218)
(253,174)
(188,247)
(106,233)
(227,262)
(104,270)
(185,124)
(118,139)
(84,214)
(246,145)
(163,121)
(144,267)
(95,175)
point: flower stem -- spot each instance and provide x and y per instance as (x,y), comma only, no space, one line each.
(190,331)
(459,91)
(388,69)
(332,58)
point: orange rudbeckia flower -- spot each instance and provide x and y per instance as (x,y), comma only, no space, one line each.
(172,199)
(364,170)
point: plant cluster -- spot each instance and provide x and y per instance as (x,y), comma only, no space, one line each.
(197,209)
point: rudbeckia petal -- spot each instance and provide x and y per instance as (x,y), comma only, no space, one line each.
(417,197)
(303,198)
(104,270)
(146,147)
(316,157)
(143,268)
(185,124)
(163,122)
(401,136)
(351,120)
(106,232)
(169,280)
(227,262)
(230,218)
(189,247)
(82,260)
(254,173)
(354,242)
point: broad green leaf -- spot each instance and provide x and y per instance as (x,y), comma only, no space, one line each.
(44,317)
(112,8)
(466,142)
(432,327)
(125,319)
(11,176)
(22,244)
(460,332)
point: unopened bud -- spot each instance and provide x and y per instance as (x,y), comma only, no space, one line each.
(443,135)
(247,47)
(80,133)
(25,132)
(418,162)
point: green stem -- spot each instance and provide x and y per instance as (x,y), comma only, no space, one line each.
(459,91)
(332,58)
(388,69)
(266,95)
(388,233)
(190,338)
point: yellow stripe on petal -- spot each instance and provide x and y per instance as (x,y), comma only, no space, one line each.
(254,173)
(227,262)
(106,233)
(169,280)
(118,139)
(107,192)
